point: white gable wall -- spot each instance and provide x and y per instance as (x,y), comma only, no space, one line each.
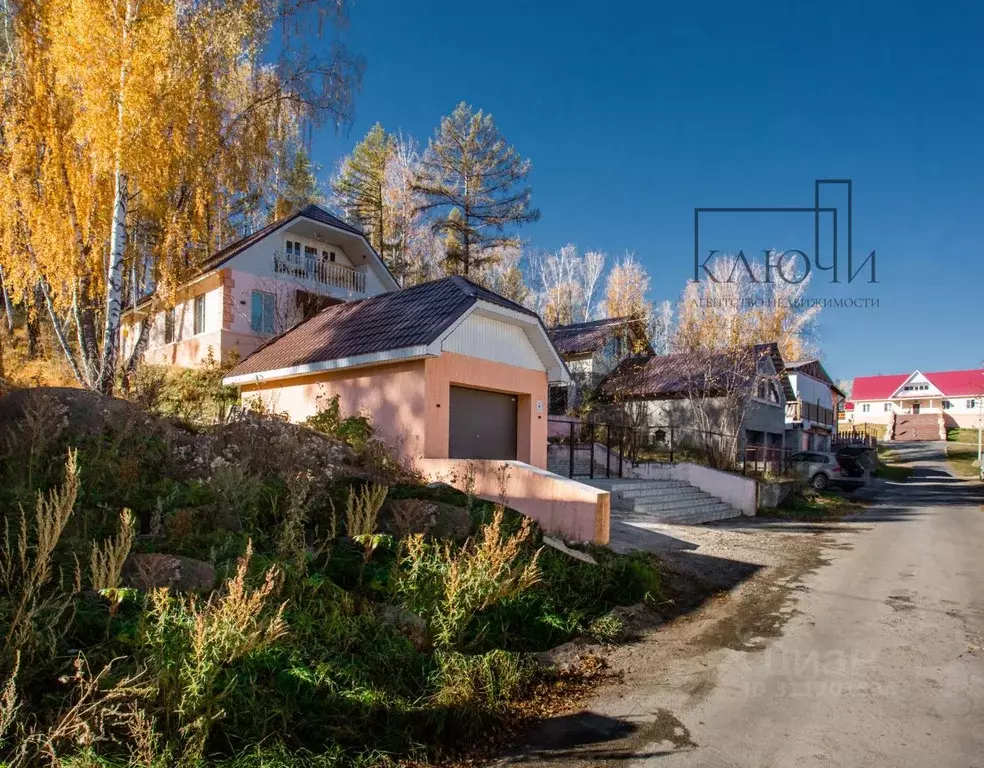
(490,339)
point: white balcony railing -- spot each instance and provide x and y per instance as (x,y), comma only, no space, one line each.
(324,272)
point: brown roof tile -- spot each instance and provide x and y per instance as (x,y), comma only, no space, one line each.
(658,376)
(407,318)
(580,338)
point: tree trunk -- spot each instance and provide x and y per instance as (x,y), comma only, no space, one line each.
(8,306)
(114,287)
(34,322)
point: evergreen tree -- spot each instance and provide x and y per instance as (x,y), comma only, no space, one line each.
(470,169)
(300,185)
(360,185)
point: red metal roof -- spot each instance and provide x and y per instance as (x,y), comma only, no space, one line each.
(877,387)
(957,383)
(950,383)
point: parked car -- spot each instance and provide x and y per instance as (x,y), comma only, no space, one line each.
(823,470)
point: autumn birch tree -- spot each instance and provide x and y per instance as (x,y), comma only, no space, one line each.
(149,115)
(743,307)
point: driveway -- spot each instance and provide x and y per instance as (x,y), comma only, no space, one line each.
(865,650)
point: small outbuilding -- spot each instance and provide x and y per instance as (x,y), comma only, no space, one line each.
(444,370)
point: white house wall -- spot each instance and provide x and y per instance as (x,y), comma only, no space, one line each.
(496,340)
(811,390)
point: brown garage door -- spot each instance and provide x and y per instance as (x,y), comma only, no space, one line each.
(483,424)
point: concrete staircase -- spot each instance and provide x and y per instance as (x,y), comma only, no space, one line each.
(662,501)
(918,426)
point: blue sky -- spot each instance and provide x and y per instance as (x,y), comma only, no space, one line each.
(633,114)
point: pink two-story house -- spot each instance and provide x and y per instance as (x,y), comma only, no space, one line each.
(258,287)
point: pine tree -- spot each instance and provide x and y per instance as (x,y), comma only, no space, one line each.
(360,185)
(300,185)
(470,169)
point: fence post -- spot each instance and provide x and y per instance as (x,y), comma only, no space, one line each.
(621,448)
(672,443)
(570,448)
(608,450)
(591,438)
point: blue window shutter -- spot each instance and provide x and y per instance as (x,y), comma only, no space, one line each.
(256,312)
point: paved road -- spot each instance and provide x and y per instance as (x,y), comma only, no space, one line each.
(885,664)
(881,665)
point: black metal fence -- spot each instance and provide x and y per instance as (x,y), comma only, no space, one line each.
(609,448)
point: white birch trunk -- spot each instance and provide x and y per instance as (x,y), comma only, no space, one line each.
(117,235)
(114,286)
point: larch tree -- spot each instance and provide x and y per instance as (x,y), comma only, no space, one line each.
(474,185)
(155,117)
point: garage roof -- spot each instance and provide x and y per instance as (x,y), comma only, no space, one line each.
(366,331)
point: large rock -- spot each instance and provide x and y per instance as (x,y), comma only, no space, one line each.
(435,519)
(148,571)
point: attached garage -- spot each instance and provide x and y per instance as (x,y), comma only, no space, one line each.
(482,424)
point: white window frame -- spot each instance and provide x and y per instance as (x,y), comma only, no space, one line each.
(199,307)
(865,408)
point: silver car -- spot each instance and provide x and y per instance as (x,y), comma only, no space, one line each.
(823,470)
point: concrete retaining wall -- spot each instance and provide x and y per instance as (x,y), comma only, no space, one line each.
(573,510)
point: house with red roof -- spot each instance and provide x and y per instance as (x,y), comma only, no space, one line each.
(952,398)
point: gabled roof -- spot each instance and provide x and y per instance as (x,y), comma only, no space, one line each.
(666,376)
(950,383)
(876,387)
(814,368)
(313,212)
(580,338)
(369,330)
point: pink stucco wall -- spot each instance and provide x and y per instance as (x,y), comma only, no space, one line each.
(530,386)
(408,404)
(565,507)
(391,395)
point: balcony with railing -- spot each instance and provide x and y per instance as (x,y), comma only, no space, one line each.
(799,410)
(326,273)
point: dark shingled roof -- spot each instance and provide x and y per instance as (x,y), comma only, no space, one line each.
(665,376)
(313,212)
(579,338)
(407,318)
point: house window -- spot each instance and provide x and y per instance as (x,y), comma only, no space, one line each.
(887,407)
(767,391)
(327,255)
(947,404)
(169,326)
(200,314)
(971,403)
(293,250)
(261,314)
(865,408)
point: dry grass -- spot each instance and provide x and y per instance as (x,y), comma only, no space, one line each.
(38,599)
(194,642)
(362,509)
(449,586)
(106,560)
